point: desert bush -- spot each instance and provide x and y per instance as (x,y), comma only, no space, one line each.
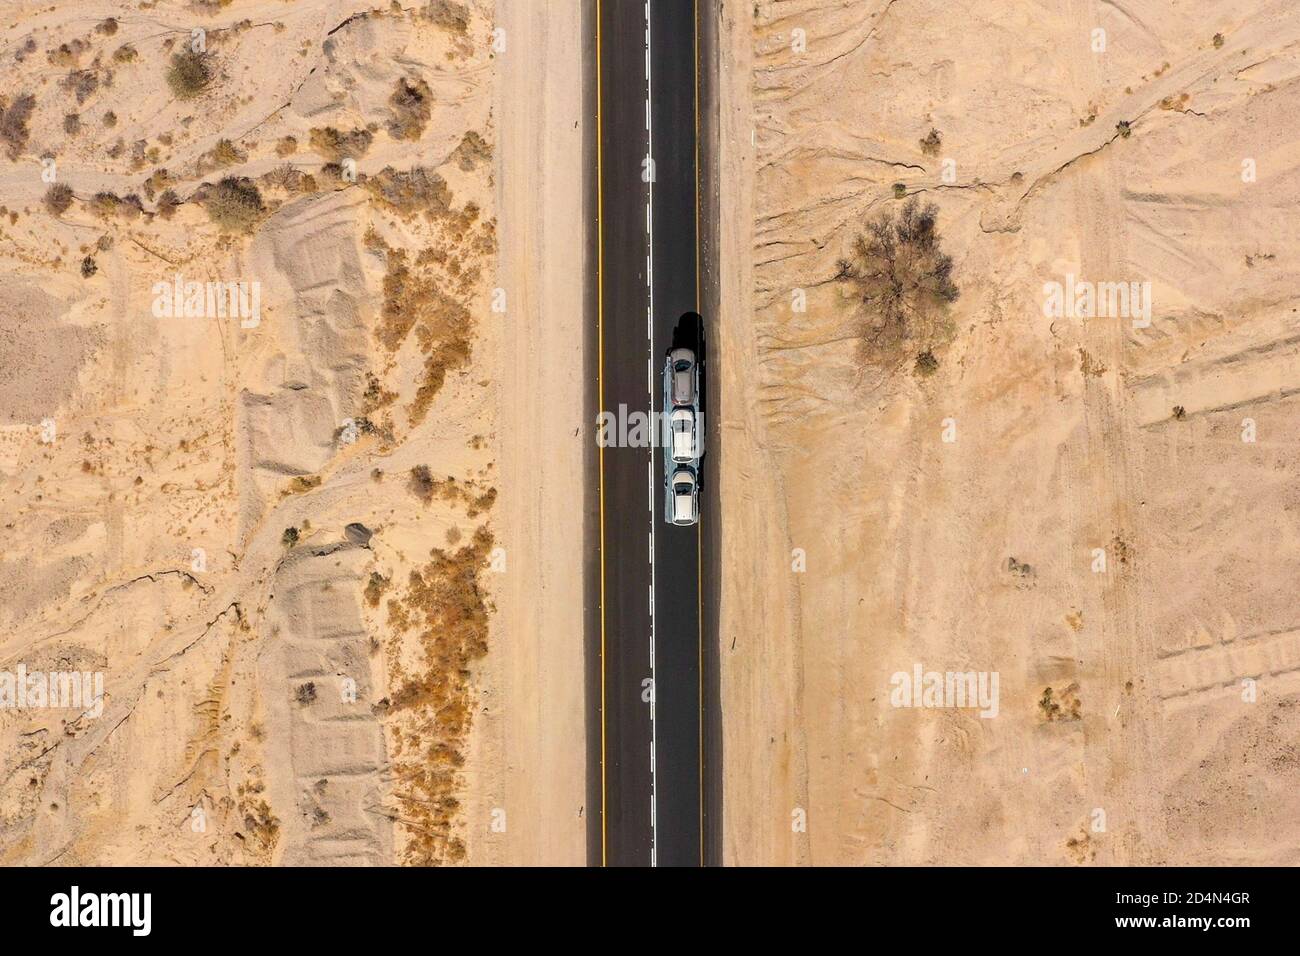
(287,146)
(226,153)
(903,283)
(336,146)
(125,53)
(471,151)
(933,140)
(451,16)
(67,54)
(13,123)
(72,124)
(58,199)
(190,74)
(167,203)
(234,204)
(105,204)
(411,109)
(411,191)
(926,364)
(81,83)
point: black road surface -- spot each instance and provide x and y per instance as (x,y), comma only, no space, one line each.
(657,711)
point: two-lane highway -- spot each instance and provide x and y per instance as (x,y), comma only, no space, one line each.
(652,754)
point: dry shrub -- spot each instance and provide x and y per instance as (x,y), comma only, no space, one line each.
(168,203)
(13,123)
(58,199)
(287,146)
(226,153)
(125,53)
(473,149)
(412,191)
(80,83)
(105,204)
(234,204)
(903,282)
(67,54)
(190,73)
(411,109)
(337,146)
(451,16)
(443,326)
(933,140)
(290,179)
(432,709)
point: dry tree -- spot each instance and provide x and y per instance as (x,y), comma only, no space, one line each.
(903,283)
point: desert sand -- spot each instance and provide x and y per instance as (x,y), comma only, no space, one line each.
(303,534)
(947,510)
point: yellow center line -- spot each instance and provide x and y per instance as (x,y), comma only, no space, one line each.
(600,378)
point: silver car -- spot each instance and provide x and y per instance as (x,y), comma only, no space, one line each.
(683,498)
(681,380)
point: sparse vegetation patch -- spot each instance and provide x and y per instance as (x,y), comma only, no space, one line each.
(903,283)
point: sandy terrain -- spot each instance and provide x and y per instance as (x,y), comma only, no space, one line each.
(299,531)
(953,512)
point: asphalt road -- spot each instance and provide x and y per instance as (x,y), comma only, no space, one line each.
(655,704)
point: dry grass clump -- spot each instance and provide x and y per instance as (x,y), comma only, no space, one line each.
(471,151)
(158,180)
(13,123)
(81,83)
(168,203)
(290,179)
(451,16)
(375,588)
(226,153)
(431,712)
(415,300)
(411,191)
(105,204)
(190,73)
(336,146)
(903,283)
(125,54)
(67,54)
(58,199)
(287,146)
(411,109)
(234,204)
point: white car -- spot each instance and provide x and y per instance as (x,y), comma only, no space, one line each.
(683,498)
(682,443)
